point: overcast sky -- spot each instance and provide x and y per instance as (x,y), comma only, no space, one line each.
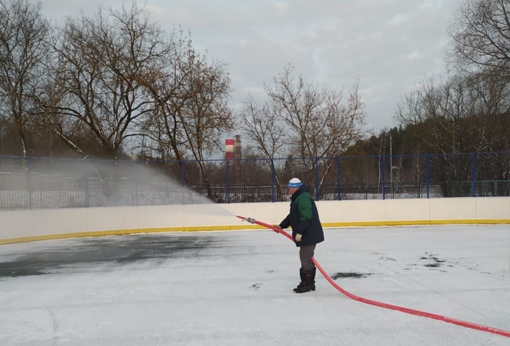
(390,45)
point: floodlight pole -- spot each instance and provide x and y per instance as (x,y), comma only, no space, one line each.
(391,167)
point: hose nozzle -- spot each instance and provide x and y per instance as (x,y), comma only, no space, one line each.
(249,219)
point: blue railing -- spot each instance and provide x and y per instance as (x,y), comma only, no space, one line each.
(32,183)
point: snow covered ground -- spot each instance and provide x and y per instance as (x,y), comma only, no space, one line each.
(235,288)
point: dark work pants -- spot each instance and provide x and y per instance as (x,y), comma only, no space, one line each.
(305,256)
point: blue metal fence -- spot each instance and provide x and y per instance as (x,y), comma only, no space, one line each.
(33,183)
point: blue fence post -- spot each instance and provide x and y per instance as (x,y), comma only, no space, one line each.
(228,182)
(383,177)
(427,174)
(316,178)
(338,177)
(473,175)
(273,197)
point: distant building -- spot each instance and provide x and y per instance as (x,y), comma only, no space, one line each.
(233,148)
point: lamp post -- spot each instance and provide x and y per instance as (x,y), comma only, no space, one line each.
(391,167)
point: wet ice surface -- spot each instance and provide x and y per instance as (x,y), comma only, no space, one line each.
(50,256)
(235,288)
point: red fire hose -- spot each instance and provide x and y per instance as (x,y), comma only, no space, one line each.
(384,305)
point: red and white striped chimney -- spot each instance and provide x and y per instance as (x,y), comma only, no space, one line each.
(229,149)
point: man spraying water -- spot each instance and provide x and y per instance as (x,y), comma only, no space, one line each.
(307,231)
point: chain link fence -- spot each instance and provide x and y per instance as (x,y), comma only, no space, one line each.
(36,183)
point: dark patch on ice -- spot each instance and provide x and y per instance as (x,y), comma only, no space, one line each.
(350,275)
(436,262)
(256,286)
(116,250)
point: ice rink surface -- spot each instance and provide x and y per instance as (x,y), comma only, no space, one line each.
(235,288)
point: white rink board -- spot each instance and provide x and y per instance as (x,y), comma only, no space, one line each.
(40,223)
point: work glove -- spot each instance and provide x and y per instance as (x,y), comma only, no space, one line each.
(298,237)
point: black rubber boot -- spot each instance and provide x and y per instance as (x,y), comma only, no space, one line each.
(307,283)
(302,277)
(312,280)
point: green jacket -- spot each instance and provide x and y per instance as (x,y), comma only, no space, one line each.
(304,218)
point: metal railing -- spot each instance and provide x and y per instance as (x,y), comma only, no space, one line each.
(34,183)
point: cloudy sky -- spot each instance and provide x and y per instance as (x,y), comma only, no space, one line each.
(389,45)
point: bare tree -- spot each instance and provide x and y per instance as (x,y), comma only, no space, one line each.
(163,135)
(265,129)
(318,122)
(481,37)
(191,98)
(99,97)
(461,115)
(206,113)
(457,113)
(23,51)
(481,44)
